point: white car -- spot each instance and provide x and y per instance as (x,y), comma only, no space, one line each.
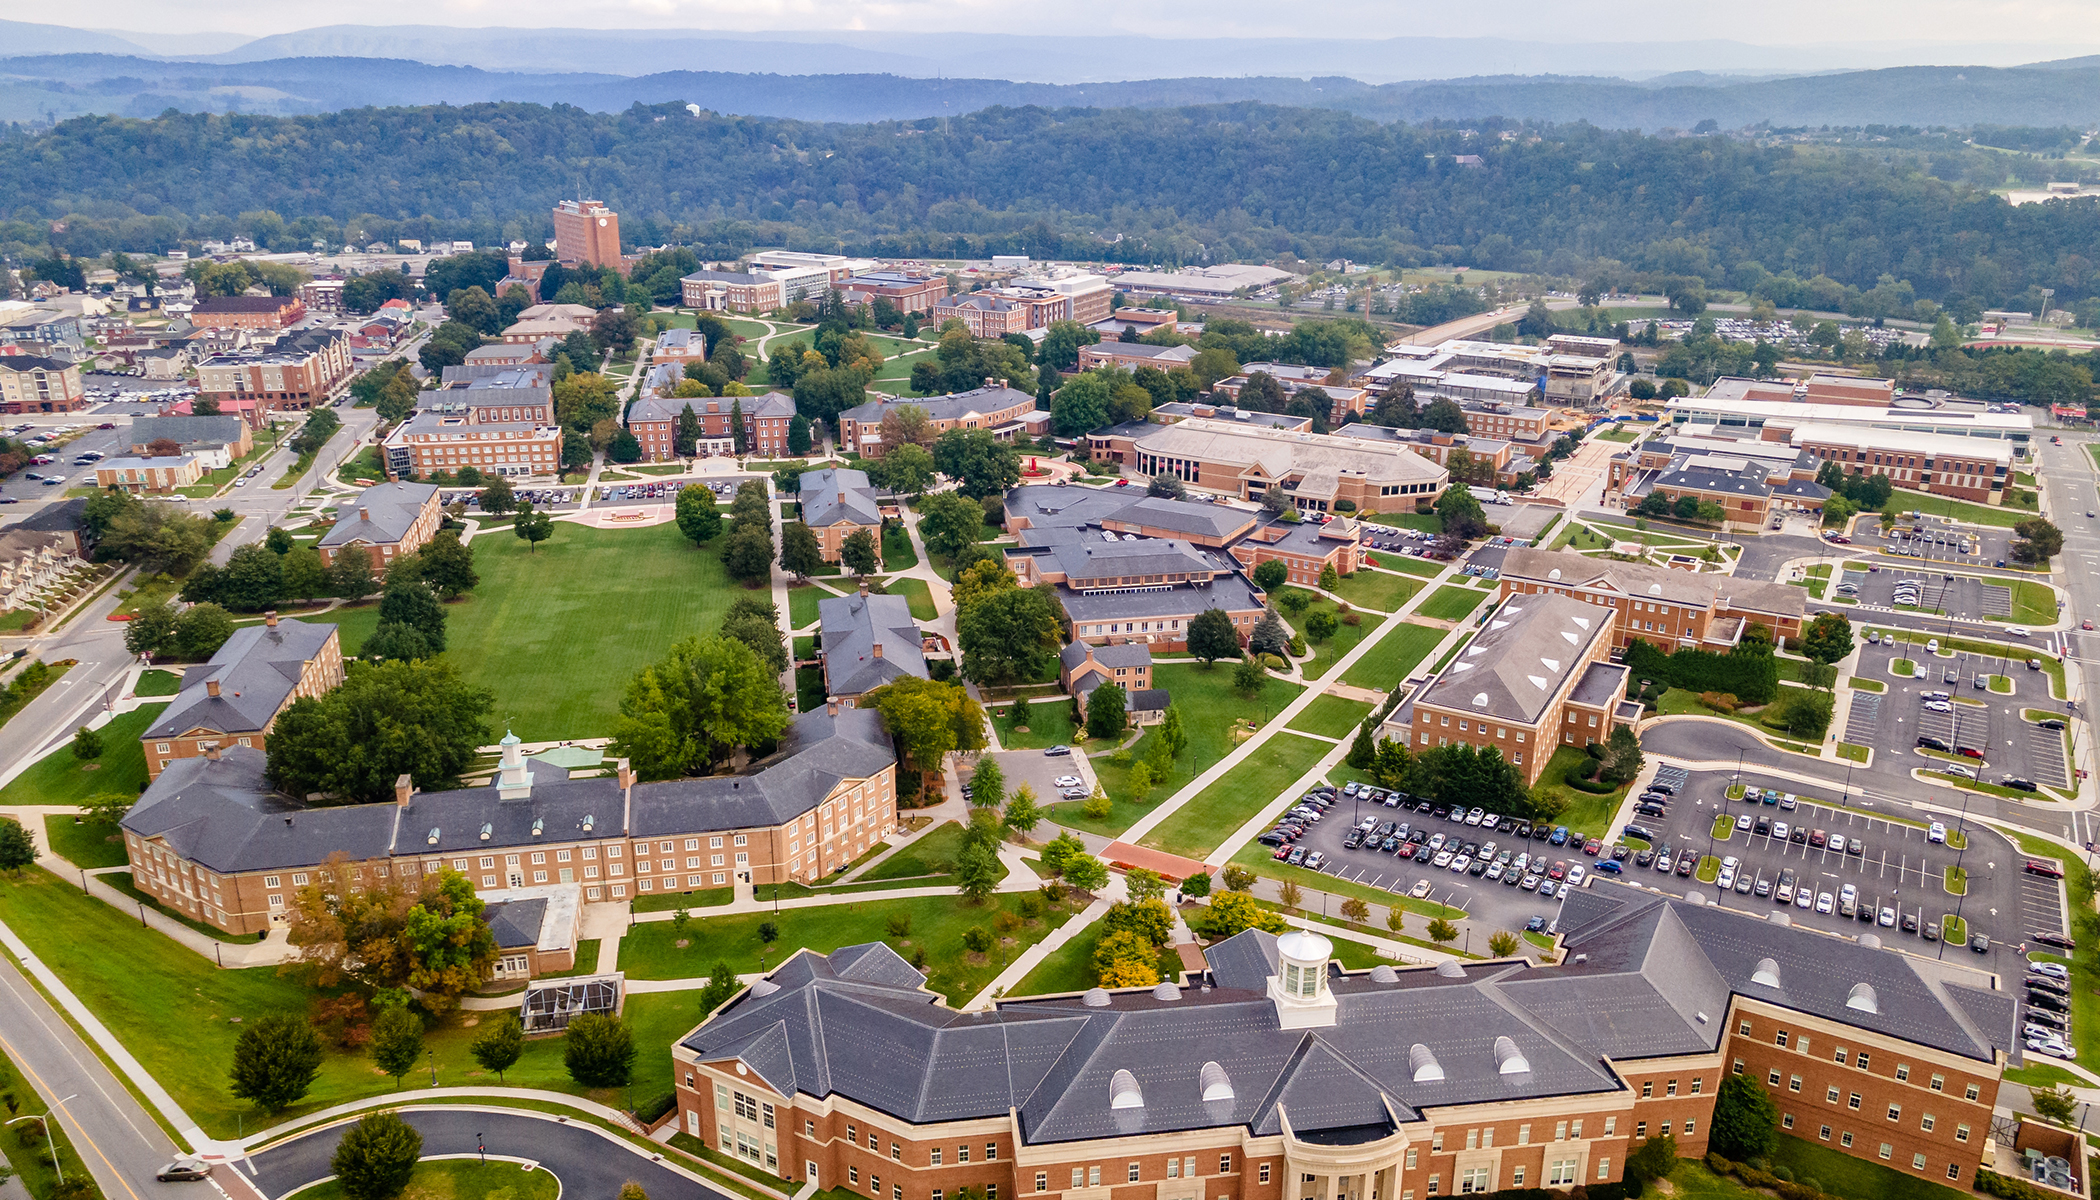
(1837,843)
(1443,859)
(2018,630)
(1932,646)
(1065,781)
(1726,879)
(1460,864)
(1420,889)
(1936,833)
(1803,897)
(1825,902)
(2052,970)
(1576,875)
(1779,831)
(1742,823)
(1938,706)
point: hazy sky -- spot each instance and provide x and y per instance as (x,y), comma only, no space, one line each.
(1769,22)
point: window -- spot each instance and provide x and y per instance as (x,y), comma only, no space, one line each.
(768,1111)
(936,1156)
(1042,1181)
(1772,1077)
(1852,1102)
(1188,1166)
(1895,1112)
(1078,1177)
(1861,1061)
(875,1185)
(1736,1068)
(896,1152)
(1793,1083)
(746,1107)
(1434,1181)
(1688,1128)
(1410,1166)
(1666,1129)
(1224,1164)
(1969,1093)
(1886,1150)
(721,1096)
(1670,1088)
(1926,1122)
(1840,1057)
(1961,1133)
(1697,1080)
(1780,1038)
(1939,1083)
(1523,1135)
(1647,1088)
(1640,1129)
(1954,1170)
(1831,1094)
(1436,1142)
(1786,1121)
(270,881)
(1845,1139)
(1742,1029)
(1173,1168)
(853,1174)
(1473,1179)
(991,1154)
(1604,1168)
(1472,1139)
(1611,1127)
(1902,1072)
(809,1129)
(1561,1172)
(1576,1130)
(1516,1177)
(853,1135)
(1133,1172)
(1824,1133)
(962,1153)
(1264,1173)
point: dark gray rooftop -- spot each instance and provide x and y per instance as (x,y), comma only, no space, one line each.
(838,494)
(379,515)
(1513,669)
(946,408)
(1229,592)
(224,430)
(853,627)
(256,671)
(1600,684)
(516,923)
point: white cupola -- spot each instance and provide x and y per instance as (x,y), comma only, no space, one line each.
(1299,988)
(514,777)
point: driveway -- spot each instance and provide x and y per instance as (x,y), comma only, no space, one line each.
(1040,771)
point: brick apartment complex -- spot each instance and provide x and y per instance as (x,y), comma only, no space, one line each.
(496,419)
(586,231)
(236,697)
(653,420)
(1535,679)
(216,441)
(1501,456)
(994,406)
(322,295)
(911,293)
(1284,1077)
(387,519)
(141,475)
(679,346)
(1245,459)
(296,371)
(1665,607)
(247,312)
(32,384)
(211,840)
(838,502)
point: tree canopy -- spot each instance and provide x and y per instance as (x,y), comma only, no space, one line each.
(690,710)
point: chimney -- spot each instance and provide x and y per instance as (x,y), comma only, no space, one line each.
(878,649)
(211,751)
(404,787)
(989,381)
(211,687)
(863,591)
(831,708)
(364,514)
(270,618)
(626,774)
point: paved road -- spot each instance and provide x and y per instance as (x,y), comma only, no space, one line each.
(590,1163)
(115,1137)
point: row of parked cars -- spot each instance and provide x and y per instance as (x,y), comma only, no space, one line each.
(638,491)
(2048,1019)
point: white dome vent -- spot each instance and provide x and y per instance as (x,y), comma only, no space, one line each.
(1450,969)
(1424,1064)
(1384,973)
(1095,998)
(1767,972)
(1870,941)
(1862,999)
(1168,990)
(1123,1091)
(764,987)
(1508,1059)
(1216,1084)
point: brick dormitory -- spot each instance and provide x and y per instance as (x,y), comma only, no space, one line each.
(1272,1074)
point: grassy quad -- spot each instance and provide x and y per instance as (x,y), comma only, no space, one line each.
(1377,590)
(60,779)
(1419,567)
(1048,724)
(1327,653)
(1450,604)
(1584,813)
(1331,716)
(84,845)
(1396,654)
(1216,813)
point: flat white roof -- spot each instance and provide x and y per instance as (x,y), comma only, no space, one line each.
(1904,440)
(1923,420)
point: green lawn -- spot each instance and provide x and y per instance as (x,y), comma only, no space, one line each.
(83,844)
(1855,1178)
(1450,604)
(1377,590)
(1333,716)
(915,593)
(897,554)
(1217,812)
(157,683)
(803,599)
(1048,724)
(1907,501)
(1399,652)
(1209,706)
(933,854)
(1070,967)
(59,778)
(935,939)
(459,1179)
(1425,568)
(1426,522)
(558,633)
(1346,636)
(1585,813)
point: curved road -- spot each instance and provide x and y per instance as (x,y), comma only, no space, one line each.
(591,1163)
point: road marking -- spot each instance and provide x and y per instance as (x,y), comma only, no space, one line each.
(82,1134)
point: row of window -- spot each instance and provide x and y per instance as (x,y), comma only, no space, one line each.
(1859,1059)
(1886,1153)
(1560,1172)
(1483,1137)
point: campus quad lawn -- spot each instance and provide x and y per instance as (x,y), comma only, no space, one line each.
(1376,590)
(1333,716)
(933,854)
(157,683)
(937,925)
(1450,604)
(802,603)
(1208,705)
(1217,812)
(897,554)
(83,844)
(1400,651)
(1049,724)
(174,1010)
(460,1179)
(1326,654)
(1070,967)
(915,593)
(1585,813)
(60,779)
(1423,567)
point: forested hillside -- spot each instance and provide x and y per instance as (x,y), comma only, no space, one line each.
(1223,182)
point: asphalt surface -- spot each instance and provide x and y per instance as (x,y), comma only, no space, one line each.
(590,1163)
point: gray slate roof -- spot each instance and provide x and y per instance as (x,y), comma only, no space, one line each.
(516,923)
(852,626)
(1519,661)
(1127,654)
(946,408)
(256,671)
(222,815)
(379,515)
(837,494)
(187,431)
(819,749)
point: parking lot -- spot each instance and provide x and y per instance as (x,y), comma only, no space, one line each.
(1990,723)
(1926,590)
(1041,771)
(537,497)
(1935,539)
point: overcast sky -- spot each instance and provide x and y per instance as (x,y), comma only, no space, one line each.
(1768,22)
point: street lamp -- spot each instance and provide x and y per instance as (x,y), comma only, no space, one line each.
(44,1119)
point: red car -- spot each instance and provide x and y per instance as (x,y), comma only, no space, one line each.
(1592,846)
(2085,624)
(2036,866)
(1558,871)
(1282,852)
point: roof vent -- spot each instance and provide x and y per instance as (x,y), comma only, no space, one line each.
(1695,899)
(1767,972)
(1424,1064)
(1480,700)
(1450,969)
(1655,589)
(1216,1084)
(1779,918)
(1870,941)
(1862,999)
(1123,1091)
(589,820)
(764,987)
(1095,998)
(1553,574)
(1508,1059)
(1168,990)
(487,830)
(429,839)
(1699,1017)
(1383,973)
(538,824)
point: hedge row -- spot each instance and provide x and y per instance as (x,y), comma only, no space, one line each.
(1749,672)
(1991,1183)
(1757,1178)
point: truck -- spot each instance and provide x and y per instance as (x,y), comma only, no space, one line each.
(1488,495)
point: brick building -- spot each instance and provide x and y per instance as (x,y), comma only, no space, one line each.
(497,419)
(988,314)
(586,231)
(210,838)
(653,420)
(247,312)
(1284,1077)
(216,440)
(234,699)
(867,641)
(1968,468)
(836,503)
(142,475)
(1245,459)
(1132,355)
(994,406)
(295,371)
(32,384)
(1665,607)
(732,291)
(910,292)
(387,519)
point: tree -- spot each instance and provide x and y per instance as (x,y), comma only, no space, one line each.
(534,527)
(1745,1123)
(87,744)
(498,497)
(1828,638)
(693,708)
(1022,812)
(2055,1105)
(1249,677)
(1502,943)
(200,632)
(599,1051)
(1444,416)
(981,464)
(1167,486)
(1461,513)
(800,553)
(928,720)
(858,555)
(397,1041)
(1006,634)
(1321,625)
(721,985)
(448,565)
(798,435)
(1106,715)
(1086,872)
(376,1156)
(1212,636)
(499,1047)
(1270,636)
(977,871)
(409,601)
(1236,878)
(1172,735)
(747,554)
(275,1060)
(1081,405)
(350,575)
(948,522)
(631,1191)
(1271,574)
(2036,540)
(1233,913)
(1356,910)
(1290,895)
(907,470)
(17,848)
(1654,1158)
(1622,756)
(1442,932)
(699,515)
(385,720)
(1124,959)
(988,784)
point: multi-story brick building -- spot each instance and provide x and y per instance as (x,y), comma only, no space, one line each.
(838,502)
(33,384)
(995,406)
(679,347)
(1246,459)
(387,519)
(990,314)
(217,441)
(732,291)
(322,295)
(586,231)
(210,838)
(1665,607)
(296,371)
(497,419)
(235,698)
(247,312)
(1283,1077)
(867,641)
(162,473)
(1538,677)
(653,420)
(910,292)
(1124,588)
(1968,468)
(1132,355)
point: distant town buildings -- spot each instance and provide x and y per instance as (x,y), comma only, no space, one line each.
(247,312)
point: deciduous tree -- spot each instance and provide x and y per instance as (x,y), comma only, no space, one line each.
(1006,635)
(699,515)
(376,1156)
(599,1051)
(948,522)
(397,1041)
(275,1060)
(385,720)
(690,710)
(1213,636)
(858,554)
(498,1047)
(800,553)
